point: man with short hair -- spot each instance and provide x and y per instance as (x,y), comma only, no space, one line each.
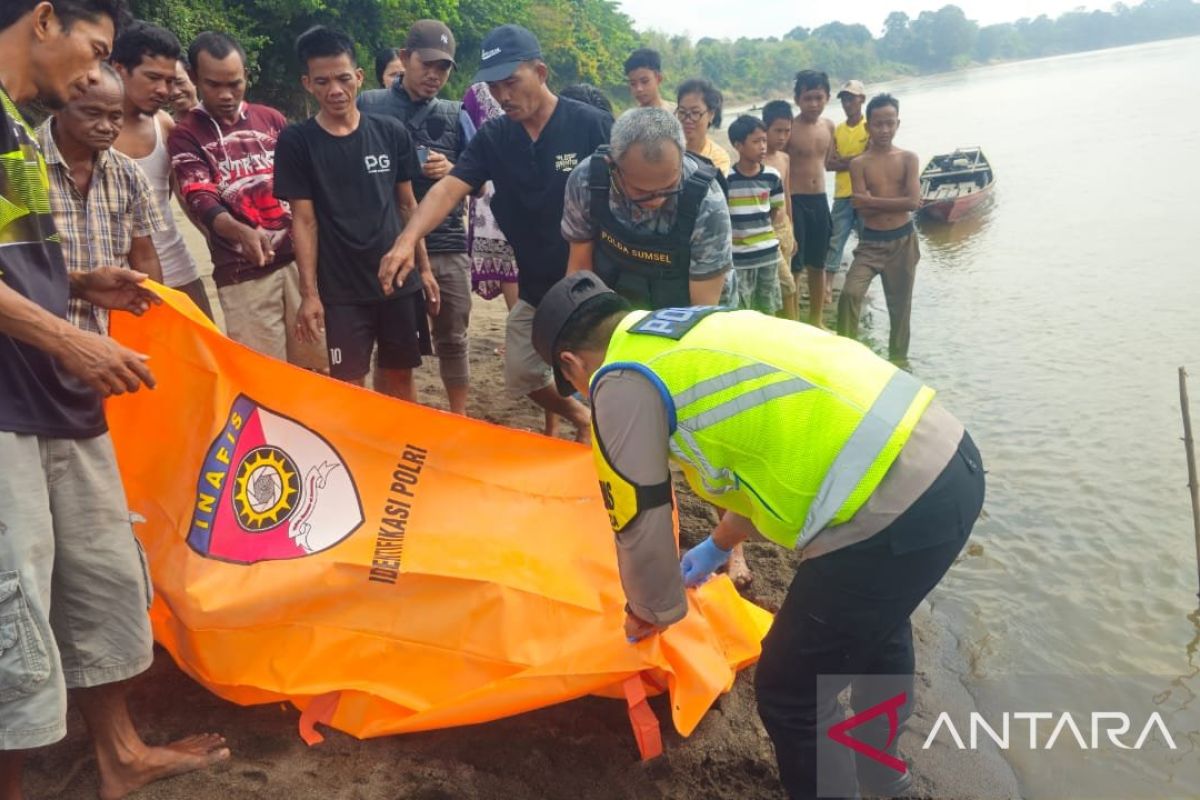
(528,155)
(223,154)
(73,585)
(808,440)
(183,95)
(652,221)
(436,128)
(348,176)
(103,207)
(643,70)
(649,218)
(849,140)
(145,56)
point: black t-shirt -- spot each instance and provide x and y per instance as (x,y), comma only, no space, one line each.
(530,179)
(37,396)
(351,181)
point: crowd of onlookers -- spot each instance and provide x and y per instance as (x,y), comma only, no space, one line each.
(176,123)
(296,230)
(350,243)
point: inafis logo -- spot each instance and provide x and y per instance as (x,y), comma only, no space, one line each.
(271,489)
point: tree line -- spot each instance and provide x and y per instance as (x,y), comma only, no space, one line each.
(586,41)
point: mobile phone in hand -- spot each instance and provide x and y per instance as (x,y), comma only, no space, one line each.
(422,154)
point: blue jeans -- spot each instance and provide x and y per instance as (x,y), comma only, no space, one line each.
(845,219)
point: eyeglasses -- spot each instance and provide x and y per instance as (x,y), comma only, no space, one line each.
(692,115)
(618,186)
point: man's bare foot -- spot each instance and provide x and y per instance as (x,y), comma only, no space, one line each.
(154,763)
(739,570)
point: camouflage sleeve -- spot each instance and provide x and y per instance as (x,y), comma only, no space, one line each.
(576,220)
(712,239)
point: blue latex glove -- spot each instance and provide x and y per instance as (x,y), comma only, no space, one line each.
(701,561)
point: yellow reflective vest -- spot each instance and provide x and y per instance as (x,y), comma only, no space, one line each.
(787,425)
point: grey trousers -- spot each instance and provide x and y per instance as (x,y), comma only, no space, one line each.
(449,327)
(74,584)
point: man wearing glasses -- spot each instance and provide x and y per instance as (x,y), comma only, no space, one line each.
(648,218)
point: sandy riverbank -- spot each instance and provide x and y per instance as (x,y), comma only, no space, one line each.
(577,751)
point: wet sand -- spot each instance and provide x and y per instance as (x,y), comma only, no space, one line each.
(581,750)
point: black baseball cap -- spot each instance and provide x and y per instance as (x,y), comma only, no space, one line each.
(431,41)
(503,50)
(568,297)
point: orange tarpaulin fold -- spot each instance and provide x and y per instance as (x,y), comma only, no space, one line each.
(384,566)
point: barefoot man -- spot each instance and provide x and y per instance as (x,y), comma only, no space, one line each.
(808,147)
(887,189)
(65,541)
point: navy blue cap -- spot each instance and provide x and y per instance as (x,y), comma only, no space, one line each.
(504,49)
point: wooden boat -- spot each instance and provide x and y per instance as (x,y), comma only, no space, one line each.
(953,184)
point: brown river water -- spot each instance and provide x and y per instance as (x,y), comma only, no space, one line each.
(1052,322)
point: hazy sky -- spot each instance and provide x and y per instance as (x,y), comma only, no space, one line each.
(730,19)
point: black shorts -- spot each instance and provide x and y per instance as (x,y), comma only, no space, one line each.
(399,325)
(814,228)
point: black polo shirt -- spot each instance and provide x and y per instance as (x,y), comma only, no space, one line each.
(530,180)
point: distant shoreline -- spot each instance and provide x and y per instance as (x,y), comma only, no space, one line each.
(741,105)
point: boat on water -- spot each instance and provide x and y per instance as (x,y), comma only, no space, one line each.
(952,184)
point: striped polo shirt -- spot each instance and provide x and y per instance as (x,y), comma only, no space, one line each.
(751,201)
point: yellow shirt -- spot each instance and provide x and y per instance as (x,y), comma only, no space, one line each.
(720,159)
(851,141)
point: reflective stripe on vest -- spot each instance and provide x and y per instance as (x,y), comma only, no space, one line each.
(859,452)
(852,463)
(789,427)
(715,480)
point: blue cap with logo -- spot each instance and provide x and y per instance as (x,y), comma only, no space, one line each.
(504,49)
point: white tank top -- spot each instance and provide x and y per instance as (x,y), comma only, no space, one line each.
(178,266)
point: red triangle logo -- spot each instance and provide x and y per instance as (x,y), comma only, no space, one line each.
(840,732)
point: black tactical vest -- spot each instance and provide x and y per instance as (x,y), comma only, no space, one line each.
(434,125)
(650,270)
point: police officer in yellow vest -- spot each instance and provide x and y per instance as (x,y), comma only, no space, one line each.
(806,439)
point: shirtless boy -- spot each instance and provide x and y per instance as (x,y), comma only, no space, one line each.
(807,148)
(777,116)
(887,189)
